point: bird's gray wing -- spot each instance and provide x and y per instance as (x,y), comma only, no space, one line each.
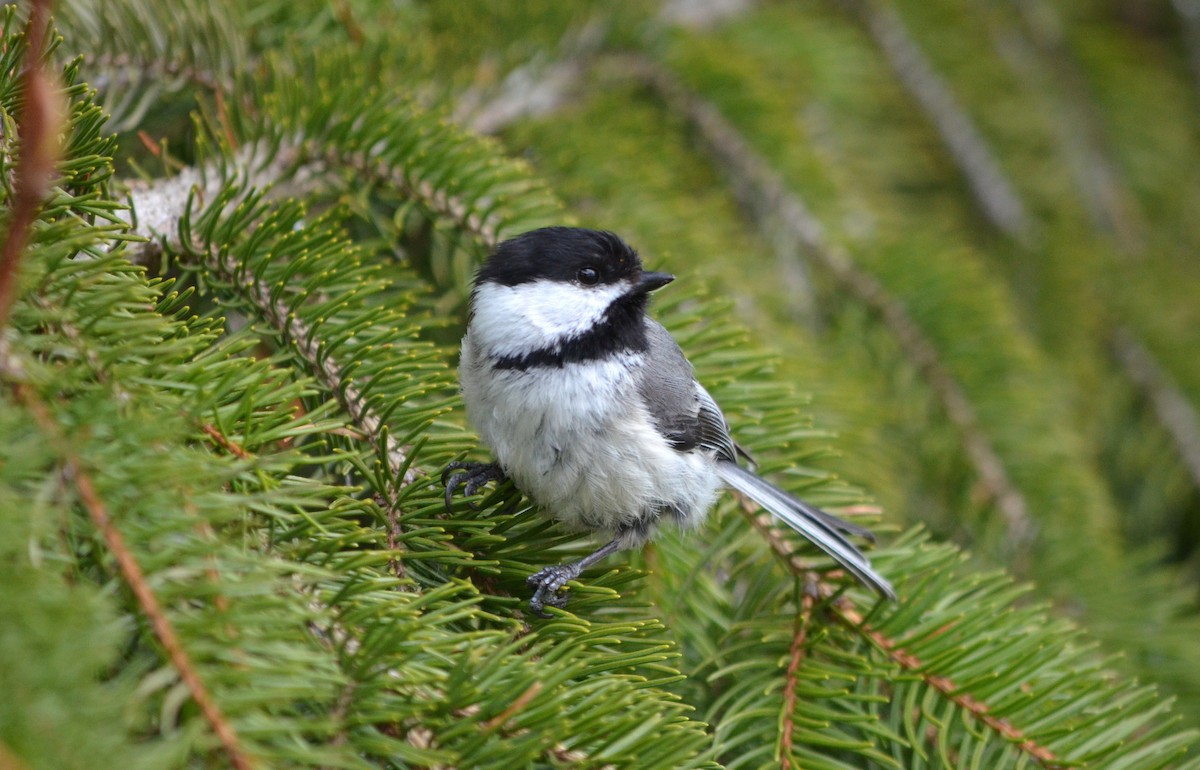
(688,417)
(681,408)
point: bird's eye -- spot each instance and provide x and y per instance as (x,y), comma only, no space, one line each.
(588,276)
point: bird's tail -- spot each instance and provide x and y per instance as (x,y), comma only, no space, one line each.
(824,529)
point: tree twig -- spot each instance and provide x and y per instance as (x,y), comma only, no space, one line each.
(37,128)
(157,209)
(797,655)
(135,578)
(223,441)
(990,186)
(1175,413)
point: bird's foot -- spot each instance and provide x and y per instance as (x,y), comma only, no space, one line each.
(548,584)
(470,476)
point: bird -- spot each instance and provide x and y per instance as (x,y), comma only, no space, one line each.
(591,408)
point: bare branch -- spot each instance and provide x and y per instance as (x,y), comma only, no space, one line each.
(1175,413)
(1037,48)
(992,189)
(38,128)
(533,89)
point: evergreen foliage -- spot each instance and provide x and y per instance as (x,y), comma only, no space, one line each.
(227,392)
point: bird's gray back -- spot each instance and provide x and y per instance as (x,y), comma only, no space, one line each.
(681,408)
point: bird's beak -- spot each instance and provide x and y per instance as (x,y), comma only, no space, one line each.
(648,282)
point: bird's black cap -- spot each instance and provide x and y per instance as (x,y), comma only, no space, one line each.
(558,254)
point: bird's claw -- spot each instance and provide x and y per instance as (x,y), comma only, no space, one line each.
(470,476)
(548,584)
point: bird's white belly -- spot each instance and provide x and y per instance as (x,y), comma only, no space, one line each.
(576,440)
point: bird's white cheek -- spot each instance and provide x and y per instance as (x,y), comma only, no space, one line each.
(511,320)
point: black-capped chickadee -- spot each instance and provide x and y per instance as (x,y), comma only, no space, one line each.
(591,408)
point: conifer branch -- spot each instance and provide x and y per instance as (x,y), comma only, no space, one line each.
(135,578)
(764,523)
(122,70)
(484,230)
(991,187)
(765,196)
(38,125)
(89,354)
(157,208)
(328,370)
(944,685)
(854,621)
(393,529)
(1175,413)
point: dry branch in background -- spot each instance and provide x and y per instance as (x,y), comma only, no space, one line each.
(535,88)
(990,186)
(1175,413)
(1036,48)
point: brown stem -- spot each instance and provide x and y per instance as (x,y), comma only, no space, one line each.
(393,528)
(232,447)
(135,578)
(946,686)
(854,621)
(798,653)
(37,127)
(521,702)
